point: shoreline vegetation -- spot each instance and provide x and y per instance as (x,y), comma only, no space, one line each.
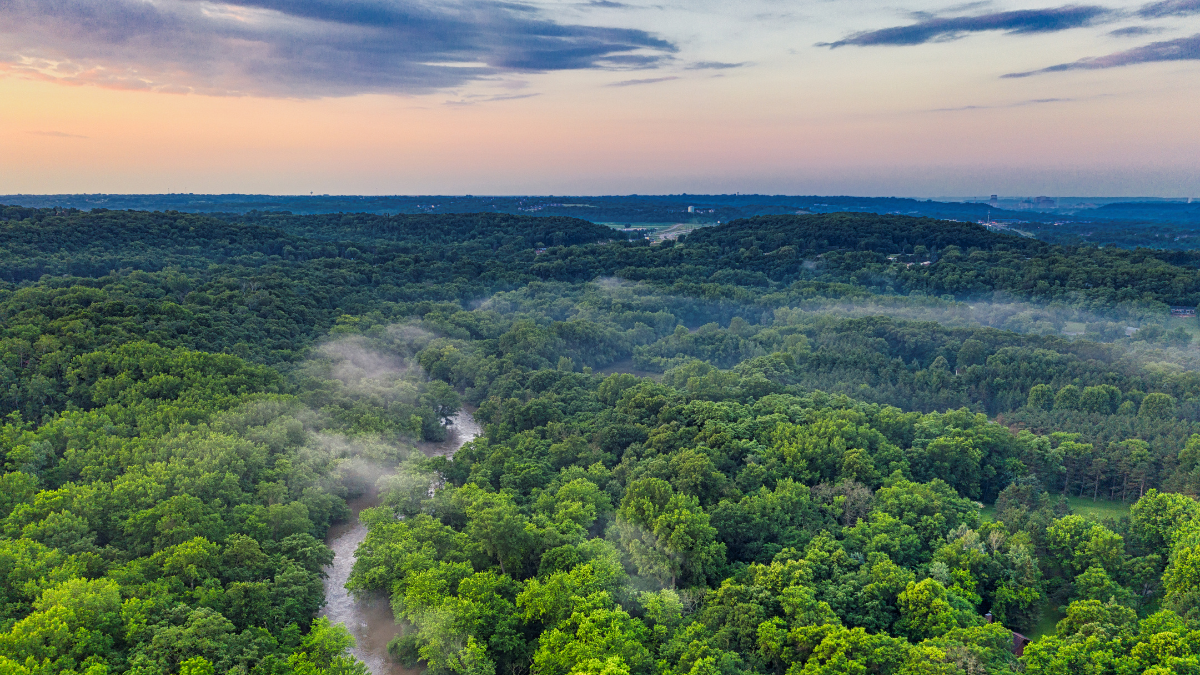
(760,447)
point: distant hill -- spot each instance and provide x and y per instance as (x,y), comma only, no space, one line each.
(34,242)
(1176,212)
(863,232)
(616,209)
(495,228)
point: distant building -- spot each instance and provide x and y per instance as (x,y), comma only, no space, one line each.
(691,209)
(1018,641)
(994,202)
(1018,645)
(1046,203)
(1183,311)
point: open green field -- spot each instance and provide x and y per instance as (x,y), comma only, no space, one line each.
(1188,323)
(640,226)
(1099,509)
(693,222)
(1050,618)
(988,513)
(1084,506)
(659,232)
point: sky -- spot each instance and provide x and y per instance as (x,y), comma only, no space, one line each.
(916,98)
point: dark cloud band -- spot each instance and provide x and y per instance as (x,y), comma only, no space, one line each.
(303,48)
(1182,49)
(942,28)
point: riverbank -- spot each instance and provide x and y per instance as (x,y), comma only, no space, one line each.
(370,620)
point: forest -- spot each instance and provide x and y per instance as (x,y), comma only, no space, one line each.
(1145,224)
(786,445)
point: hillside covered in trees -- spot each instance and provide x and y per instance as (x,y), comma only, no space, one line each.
(787,445)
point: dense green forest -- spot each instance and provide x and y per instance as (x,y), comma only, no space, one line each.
(785,445)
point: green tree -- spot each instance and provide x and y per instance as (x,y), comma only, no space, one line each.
(497,525)
(1102,399)
(1157,406)
(1095,584)
(324,650)
(1067,398)
(924,610)
(1181,581)
(972,353)
(1157,516)
(1041,397)
(668,535)
(590,634)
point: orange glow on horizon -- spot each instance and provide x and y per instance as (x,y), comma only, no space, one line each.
(579,135)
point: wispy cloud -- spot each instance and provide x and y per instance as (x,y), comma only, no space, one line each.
(510,97)
(1155,10)
(715,65)
(489,99)
(935,29)
(969,6)
(303,48)
(1182,49)
(55,134)
(1135,31)
(1018,104)
(649,80)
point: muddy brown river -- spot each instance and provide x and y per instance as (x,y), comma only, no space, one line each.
(370,620)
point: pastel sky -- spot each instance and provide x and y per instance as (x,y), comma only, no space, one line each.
(916,98)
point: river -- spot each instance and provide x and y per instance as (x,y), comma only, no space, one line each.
(370,620)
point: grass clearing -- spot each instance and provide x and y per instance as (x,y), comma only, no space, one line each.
(988,513)
(1099,509)
(1049,621)
(1084,506)
(639,226)
(1188,323)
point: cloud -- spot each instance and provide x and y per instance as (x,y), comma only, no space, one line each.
(1170,8)
(650,80)
(510,97)
(715,65)
(1182,49)
(938,29)
(1135,31)
(1018,104)
(302,48)
(489,99)
(56,134)
(969,6)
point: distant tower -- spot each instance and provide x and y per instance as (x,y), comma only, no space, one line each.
(994,202)
(691,209)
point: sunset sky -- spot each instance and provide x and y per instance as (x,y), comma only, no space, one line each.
(602,97)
